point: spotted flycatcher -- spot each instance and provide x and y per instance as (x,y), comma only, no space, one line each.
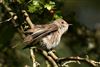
(48,35)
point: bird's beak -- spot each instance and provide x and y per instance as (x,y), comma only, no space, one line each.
(70,24)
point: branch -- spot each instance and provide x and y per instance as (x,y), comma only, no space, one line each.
(13,19)
(77,59)
(6,20)
(1,1)
(49,58)
(52,55)
(28,19)
(35,64)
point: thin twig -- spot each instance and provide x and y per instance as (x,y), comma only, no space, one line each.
(49,58)
(52,55)
(35,64)
(28,19)
(77,59)
(6,20)
(14,18)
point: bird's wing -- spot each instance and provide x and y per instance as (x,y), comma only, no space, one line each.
(39,34)
(47,31)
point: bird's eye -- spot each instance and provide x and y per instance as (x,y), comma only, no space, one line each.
(62,22)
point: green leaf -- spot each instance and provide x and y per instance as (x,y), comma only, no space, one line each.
(34,6)
(21,1)
(35,2)
(58,15)
(49,5)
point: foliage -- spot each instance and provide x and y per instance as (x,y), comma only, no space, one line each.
(40,6)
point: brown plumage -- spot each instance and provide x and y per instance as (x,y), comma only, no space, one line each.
(48,35)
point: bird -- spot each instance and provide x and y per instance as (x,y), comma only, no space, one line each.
(47,35)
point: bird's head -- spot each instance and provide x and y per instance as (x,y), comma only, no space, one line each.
(62,25)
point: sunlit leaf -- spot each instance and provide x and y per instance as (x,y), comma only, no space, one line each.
(49,5)
(34,6)
(58,15)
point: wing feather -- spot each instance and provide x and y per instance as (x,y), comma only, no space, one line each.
(39,34)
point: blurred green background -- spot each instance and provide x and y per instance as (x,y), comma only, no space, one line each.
(83,38)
